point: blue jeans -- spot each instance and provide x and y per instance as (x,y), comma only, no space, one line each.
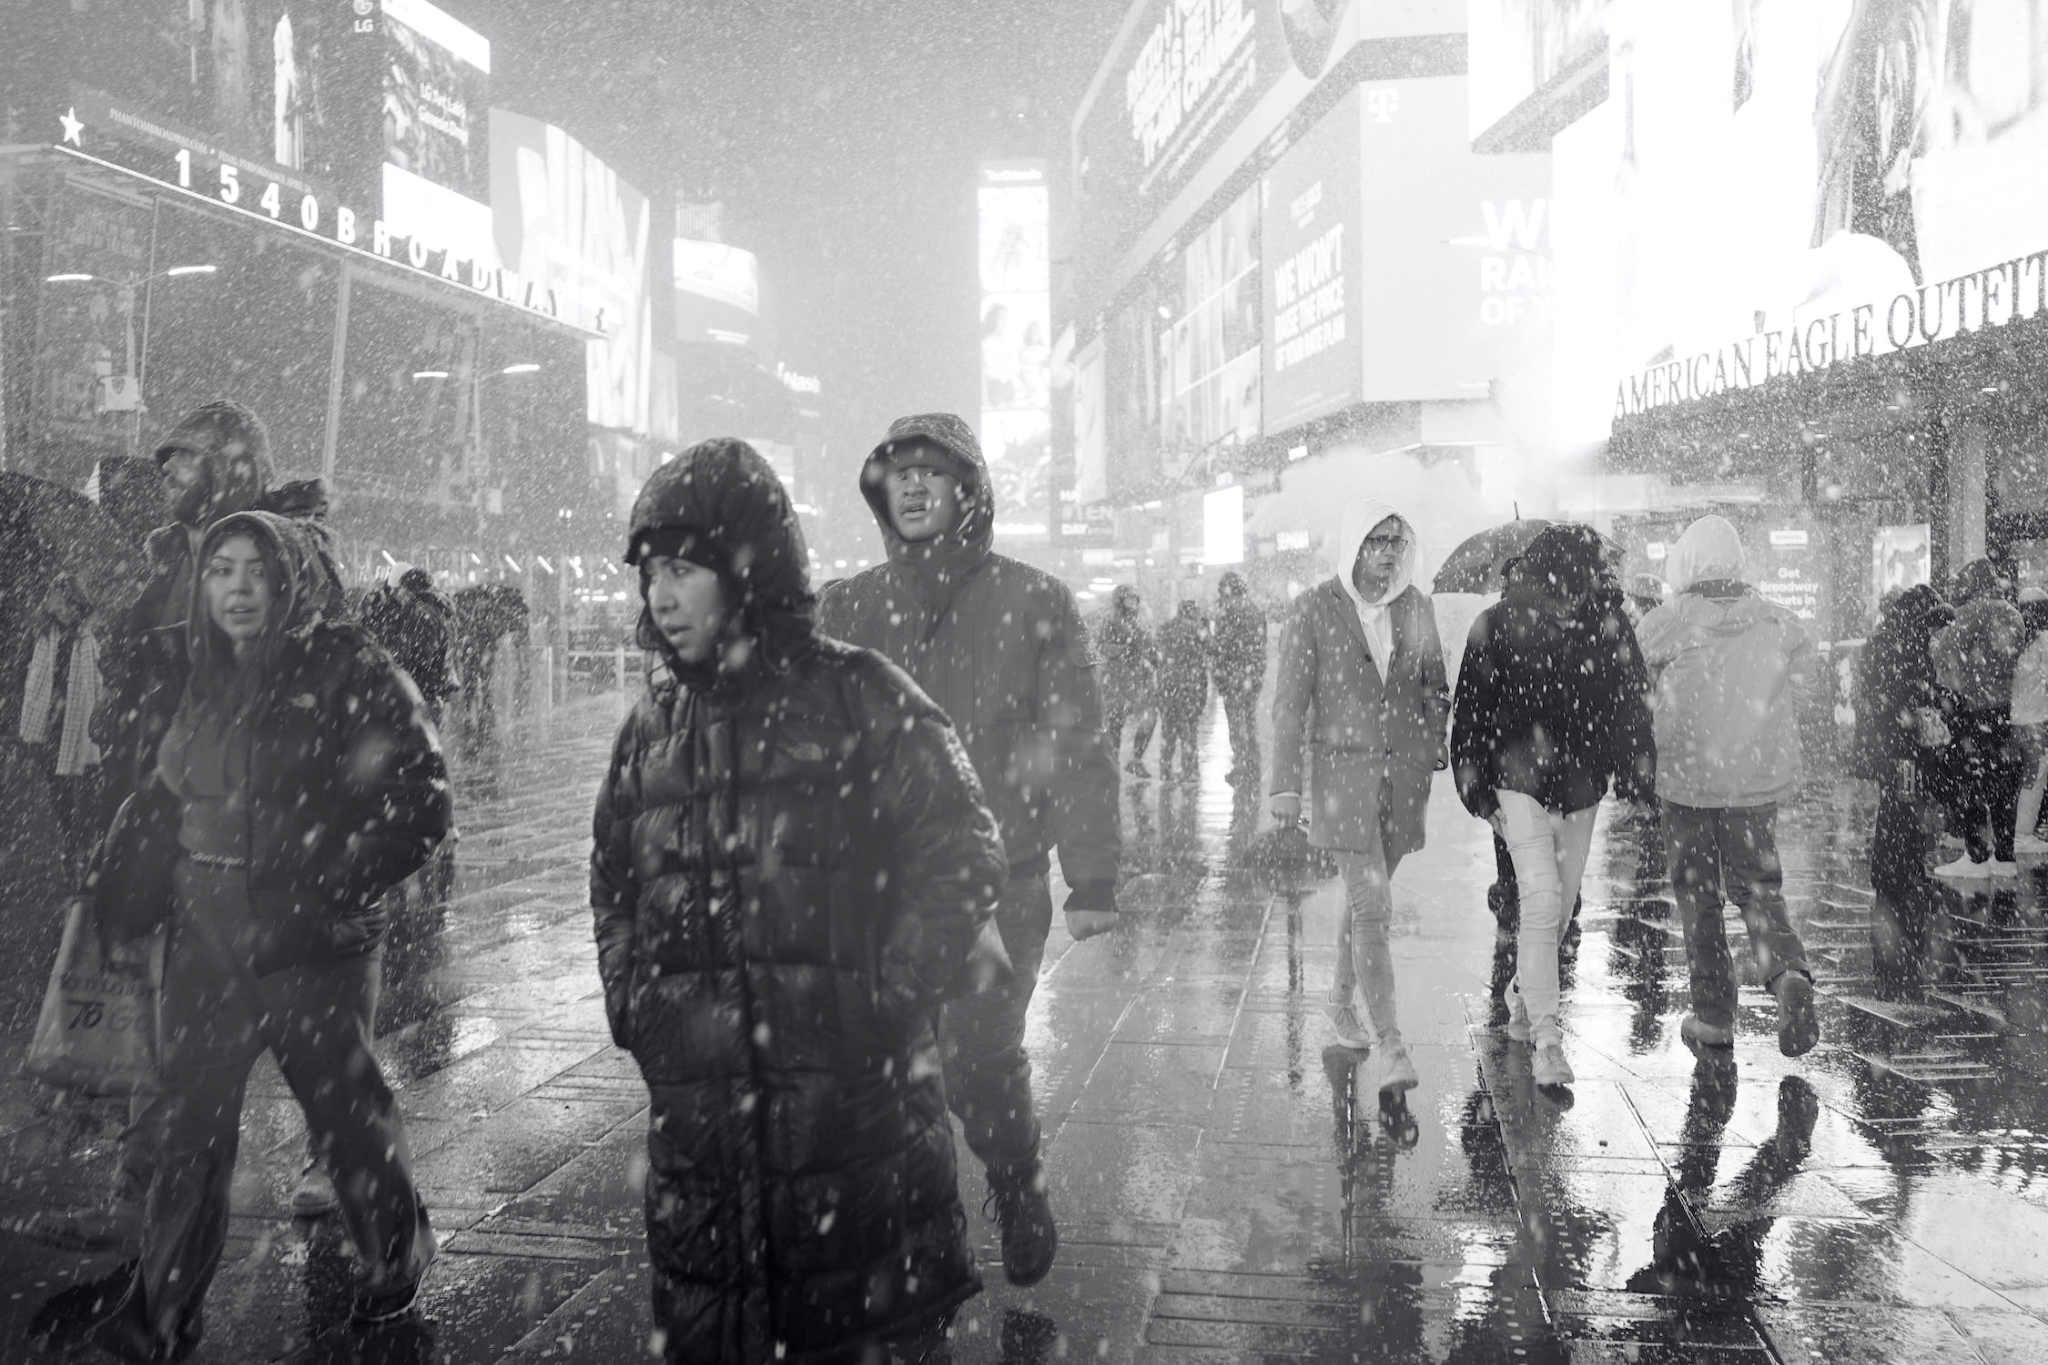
(1729,855)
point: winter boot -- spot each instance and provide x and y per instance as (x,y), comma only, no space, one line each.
(1024,1212)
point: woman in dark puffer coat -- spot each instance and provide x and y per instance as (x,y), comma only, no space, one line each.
(793,864)
(296,784)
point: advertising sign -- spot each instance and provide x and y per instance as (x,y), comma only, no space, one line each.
(1311,273)
(565,218)
(1016,332)
(1091,425)
(437,162)
(1209,357)
(1766,169)
(1520,46)
(718,292)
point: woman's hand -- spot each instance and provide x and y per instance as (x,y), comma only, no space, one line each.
(1286,808)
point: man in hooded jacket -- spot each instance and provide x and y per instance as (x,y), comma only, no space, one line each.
(1729,669)
(792,866)
(1001,647)
(1360,695)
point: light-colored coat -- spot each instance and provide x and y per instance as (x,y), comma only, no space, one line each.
(1361,751)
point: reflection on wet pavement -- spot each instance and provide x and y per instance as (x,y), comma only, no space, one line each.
(1225,1193)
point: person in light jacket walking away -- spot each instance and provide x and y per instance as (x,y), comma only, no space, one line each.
(1239,667)
(1551,709)
(1359,704)
(1000,646)
(1729,669)
(791,867)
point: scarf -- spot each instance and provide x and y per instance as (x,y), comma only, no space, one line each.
(76,753)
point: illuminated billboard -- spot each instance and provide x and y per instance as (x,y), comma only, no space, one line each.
(1311,274)
(436,102)
(1016,332)
(1761,173)
(565,218)
(718,292)
(1209,357)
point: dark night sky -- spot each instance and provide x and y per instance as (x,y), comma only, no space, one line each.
(842,136)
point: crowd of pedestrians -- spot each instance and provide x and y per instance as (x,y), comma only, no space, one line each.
(821,861)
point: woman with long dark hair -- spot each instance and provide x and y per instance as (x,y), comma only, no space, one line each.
(298,783)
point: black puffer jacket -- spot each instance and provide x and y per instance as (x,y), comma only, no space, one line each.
(1895,682)
(1240,641)
(792,860)
(1553,695)
(1184,664)
(347,792)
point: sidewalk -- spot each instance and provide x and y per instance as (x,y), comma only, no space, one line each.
(1222,1195)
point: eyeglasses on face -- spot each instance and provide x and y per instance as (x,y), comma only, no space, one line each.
(1385,544)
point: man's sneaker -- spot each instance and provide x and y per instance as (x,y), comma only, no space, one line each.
(2027,846)
(1697,1032)
(1963,869)
(1023,1211)
(117,1228)
(314,1197)
(2001,868)
(1798,1029)
(1344,1017)
(1549,1069)
(1393,1070)
(387,1303)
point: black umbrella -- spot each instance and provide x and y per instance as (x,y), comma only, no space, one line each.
(1478,562)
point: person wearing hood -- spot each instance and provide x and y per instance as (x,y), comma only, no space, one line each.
(298,783)
(2030,720)
(1239,666)
(1975,660)
(1899,743)
(1130,678)
(1551,709)
(1730,669)
(1001,647)
(1358,729)
(1183,690)
(792,868)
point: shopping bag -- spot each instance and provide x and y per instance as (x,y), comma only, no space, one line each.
(97,1032)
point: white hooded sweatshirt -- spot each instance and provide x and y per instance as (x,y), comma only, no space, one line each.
(1359,520)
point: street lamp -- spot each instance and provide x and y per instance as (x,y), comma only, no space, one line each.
(123,393)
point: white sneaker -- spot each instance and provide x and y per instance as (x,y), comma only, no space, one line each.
(1995,868)
(2029,845)
(1549,1069)
(1962,869)
(1518,1018)
(1344,1018)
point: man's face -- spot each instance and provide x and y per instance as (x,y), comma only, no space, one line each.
(687,602)
(924,494)
(186,486)
(1379,555)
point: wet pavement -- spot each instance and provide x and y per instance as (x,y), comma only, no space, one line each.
(1223,1195)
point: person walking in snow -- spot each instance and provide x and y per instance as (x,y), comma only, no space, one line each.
(1183,691)
(1551,709)
(1000,646)
(298,782)
(1130,678)
(59,693)
(1359,704)
(792,866)
(1975,660)
(2030,722)
(1239,664)
(1729,669)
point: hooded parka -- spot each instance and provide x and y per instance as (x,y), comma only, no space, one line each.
(791,861)
(1730,667)
(1000,646)
(146,663)
(1370,729)
(346,791)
